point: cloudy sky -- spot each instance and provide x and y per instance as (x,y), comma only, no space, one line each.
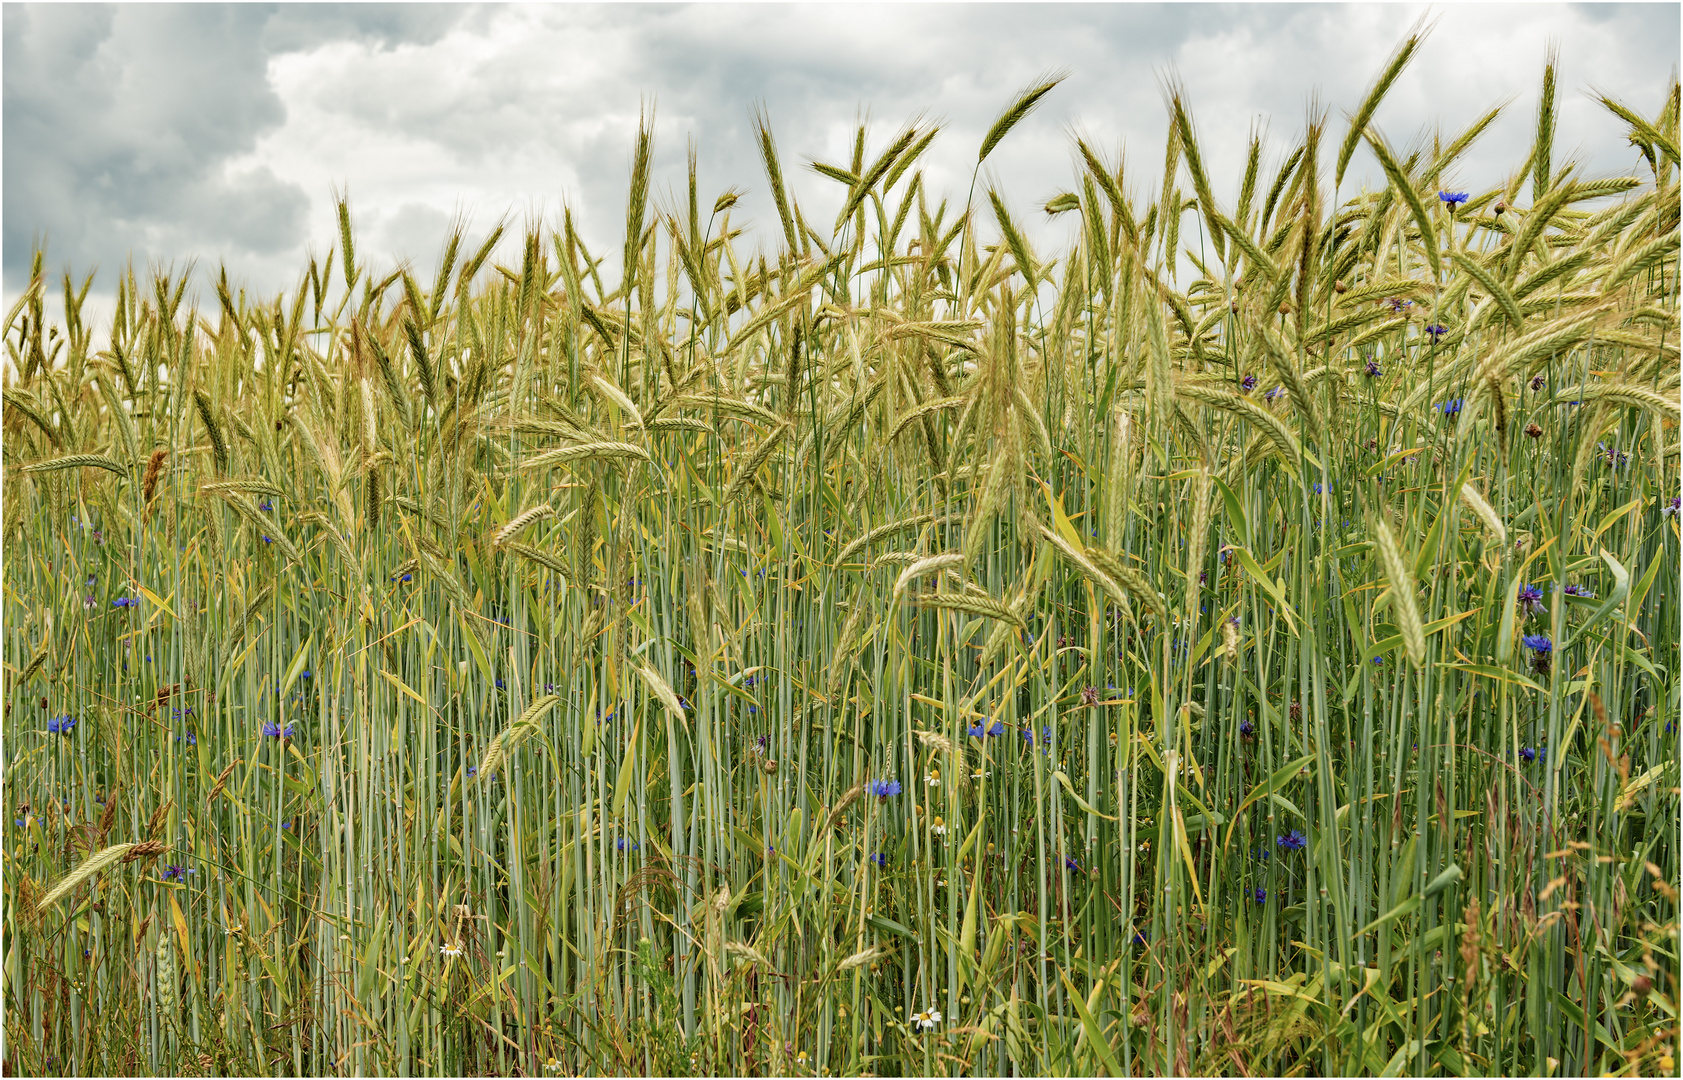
(218,133)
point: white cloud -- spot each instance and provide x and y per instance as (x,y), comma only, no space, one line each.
(514,111)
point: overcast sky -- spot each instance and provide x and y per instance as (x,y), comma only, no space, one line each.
(218,133)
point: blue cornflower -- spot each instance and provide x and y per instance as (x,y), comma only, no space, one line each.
(1578,590)
(621,844)
(1320,489)
(1246,729)
(268,540)
(981,731)
(1453,198)
(60,725)
(1373,370)
(124,601)
(1437,330)
(1045,735)
(1263,853)
(265,506)
(1538,382)
(1139,938)
(1528,755)
(1451,407)
(882,789)
(471,769)
(1674,507)
(1378,660)
(403,577)
(1397,304)
(1530,600)
(879,858)
(1293,841)
(179,873)
(500,685)
(275,731)
(1275,393)
(1260,895)
(1615,457)
(1537,643)
(1071,863)
(305,674)
(1248,383)
(192,740)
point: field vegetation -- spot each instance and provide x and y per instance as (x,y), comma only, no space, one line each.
(1245,641)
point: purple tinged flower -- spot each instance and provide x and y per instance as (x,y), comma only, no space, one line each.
(1530,600)
(882,789)
(1453,198)
(879,858)
(471,769)
(178,873)
(1373,370)
(1378,661)
(1293,841)
(1537,643)
(982,729)
(1451,407)
(1528,755)
(1578,590)
(1674,507)
(1274,394)
(1246,728)
(1071,863)
(1437,330)
(1260,895)
(1139,938)
(265,506)
(1248,383)
(1615,457)
(1538,382)
(622,843)
(124,601)
(60,725)
(275,731)
(89,603)
(1397,304)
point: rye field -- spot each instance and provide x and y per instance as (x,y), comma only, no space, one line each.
(1242,642)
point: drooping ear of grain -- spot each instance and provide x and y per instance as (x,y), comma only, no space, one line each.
(1401,580)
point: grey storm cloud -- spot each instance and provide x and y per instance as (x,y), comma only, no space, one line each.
(120,121)
(220,132)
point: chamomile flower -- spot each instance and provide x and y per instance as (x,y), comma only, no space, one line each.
(926,1019)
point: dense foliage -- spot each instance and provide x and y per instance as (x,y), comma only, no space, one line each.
(901,652)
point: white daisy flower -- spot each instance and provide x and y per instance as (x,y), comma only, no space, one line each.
(450,950)
(933,779)
(939,828)
(926,1019)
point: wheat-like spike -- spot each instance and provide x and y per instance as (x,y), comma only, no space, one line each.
(512,529)
(165,973)
(842,649)
(881,532)
(506,739)
(539,556)
(762,454)
(1401,580)
(584,452)
(1640,397)
(1020,107)
(1199,538)
(1404,187)
(859,959)
(154,470)
(16,401)
(974,605)
(1370,104)
(96,862)
(1545,132)
(1284,442)
(935,741)
(1107,584)
(1485,513)
(1504,300)
(73,461)
(207,414)
(746,952)
(928,564)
